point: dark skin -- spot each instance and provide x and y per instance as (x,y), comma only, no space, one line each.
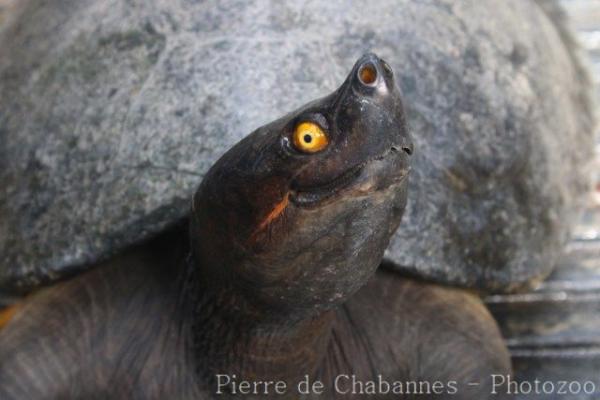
(276,281)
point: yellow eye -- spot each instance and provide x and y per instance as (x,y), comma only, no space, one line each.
(309,137)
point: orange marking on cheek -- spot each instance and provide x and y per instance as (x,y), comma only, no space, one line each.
(275,212)
(7,314)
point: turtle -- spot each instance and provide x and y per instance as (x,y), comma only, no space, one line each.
(112,111)
(269,288)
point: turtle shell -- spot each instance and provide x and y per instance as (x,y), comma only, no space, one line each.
(112,111)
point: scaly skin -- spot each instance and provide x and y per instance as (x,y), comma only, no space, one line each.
(119,332)
(277,282)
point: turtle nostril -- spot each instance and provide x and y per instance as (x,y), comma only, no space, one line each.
(367,74)
(407,149)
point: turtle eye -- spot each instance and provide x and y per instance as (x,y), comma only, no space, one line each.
(309,137)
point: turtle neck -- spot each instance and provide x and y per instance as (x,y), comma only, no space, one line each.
(236,340)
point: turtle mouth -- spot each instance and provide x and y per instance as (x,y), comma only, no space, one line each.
(315,195)
(392,171)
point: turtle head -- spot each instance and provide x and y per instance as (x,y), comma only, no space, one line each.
(298,214)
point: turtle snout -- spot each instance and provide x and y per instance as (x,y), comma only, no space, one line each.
(373,74)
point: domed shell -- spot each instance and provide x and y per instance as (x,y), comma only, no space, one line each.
(112,111)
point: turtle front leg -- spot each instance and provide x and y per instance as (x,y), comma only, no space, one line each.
(401,338)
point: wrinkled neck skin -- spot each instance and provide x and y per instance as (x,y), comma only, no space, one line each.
(233,337)
(281,236)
